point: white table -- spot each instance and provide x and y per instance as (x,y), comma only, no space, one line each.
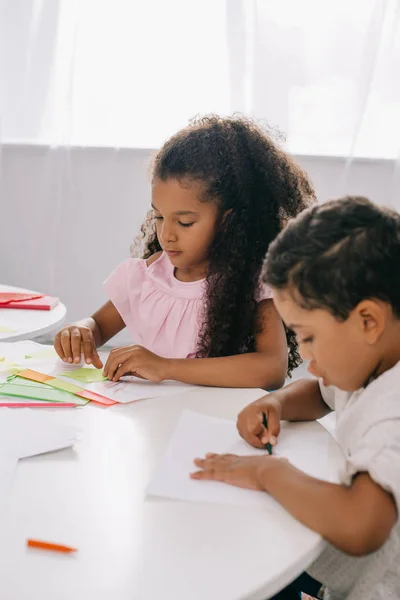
(130,547)
(29,324)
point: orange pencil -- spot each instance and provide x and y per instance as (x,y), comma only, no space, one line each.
(49,546)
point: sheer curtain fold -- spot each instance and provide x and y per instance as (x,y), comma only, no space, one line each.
(128,73)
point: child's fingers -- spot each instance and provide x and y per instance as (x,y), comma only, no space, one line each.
(66,345)
(112,364)
(109,368)
(210,474)
(123,369)
(96,359)
(274,427)
(207,469)
(76,342)
(250,425)
(116,358)
(89,349)
(255,424)
(250,437)
(57,346)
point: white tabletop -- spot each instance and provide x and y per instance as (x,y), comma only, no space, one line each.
(131,547)
(29,324)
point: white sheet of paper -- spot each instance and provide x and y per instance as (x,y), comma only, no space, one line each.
(306,445)
(25,433)
(133,388)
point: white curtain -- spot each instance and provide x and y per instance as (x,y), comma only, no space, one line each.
(86,86)
(128,73)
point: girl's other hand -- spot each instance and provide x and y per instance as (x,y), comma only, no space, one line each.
(135,360)
(251,419)
(74,341)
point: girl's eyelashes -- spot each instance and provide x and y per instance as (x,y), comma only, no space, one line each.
(307,340)
(185,224)
(160,218)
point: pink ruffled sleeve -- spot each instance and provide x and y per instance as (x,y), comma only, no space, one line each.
(123,283)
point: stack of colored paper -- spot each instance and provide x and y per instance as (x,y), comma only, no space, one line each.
(31,301)
(24,382)
(52,381)
(18,391)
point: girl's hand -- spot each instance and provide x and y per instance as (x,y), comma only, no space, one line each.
(135,360)
(73,341)
(242,471)
(250,422)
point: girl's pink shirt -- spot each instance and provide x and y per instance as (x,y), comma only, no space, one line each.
(162,313)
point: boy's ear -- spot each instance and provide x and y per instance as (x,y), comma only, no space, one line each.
(373,317)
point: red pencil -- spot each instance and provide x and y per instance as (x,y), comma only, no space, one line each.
(49,546)
(36,405)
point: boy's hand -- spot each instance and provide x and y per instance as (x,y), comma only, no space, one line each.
(250,422)
(241,471)
(135,360)
(73,341)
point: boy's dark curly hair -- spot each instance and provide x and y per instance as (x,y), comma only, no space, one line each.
(258,187)
(335,255)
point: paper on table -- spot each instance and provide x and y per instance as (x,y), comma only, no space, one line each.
(26,388)
(45,353)
(6,297)
(66,386)
(197,434)
(16,351)
(131,388)
(84,375)
(127,390)
(26,433)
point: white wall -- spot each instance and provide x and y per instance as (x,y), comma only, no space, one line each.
(68,217)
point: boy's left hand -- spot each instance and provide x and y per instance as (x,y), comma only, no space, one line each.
(135,360)
(242,471)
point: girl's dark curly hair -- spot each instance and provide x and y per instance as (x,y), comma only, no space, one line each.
(258,187)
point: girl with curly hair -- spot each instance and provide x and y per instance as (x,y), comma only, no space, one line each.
(221,191)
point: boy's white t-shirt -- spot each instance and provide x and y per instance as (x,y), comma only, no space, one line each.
(368,432)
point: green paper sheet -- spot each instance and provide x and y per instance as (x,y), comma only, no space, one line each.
(46,353)
(85,375)
(25,388)
(65,385)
